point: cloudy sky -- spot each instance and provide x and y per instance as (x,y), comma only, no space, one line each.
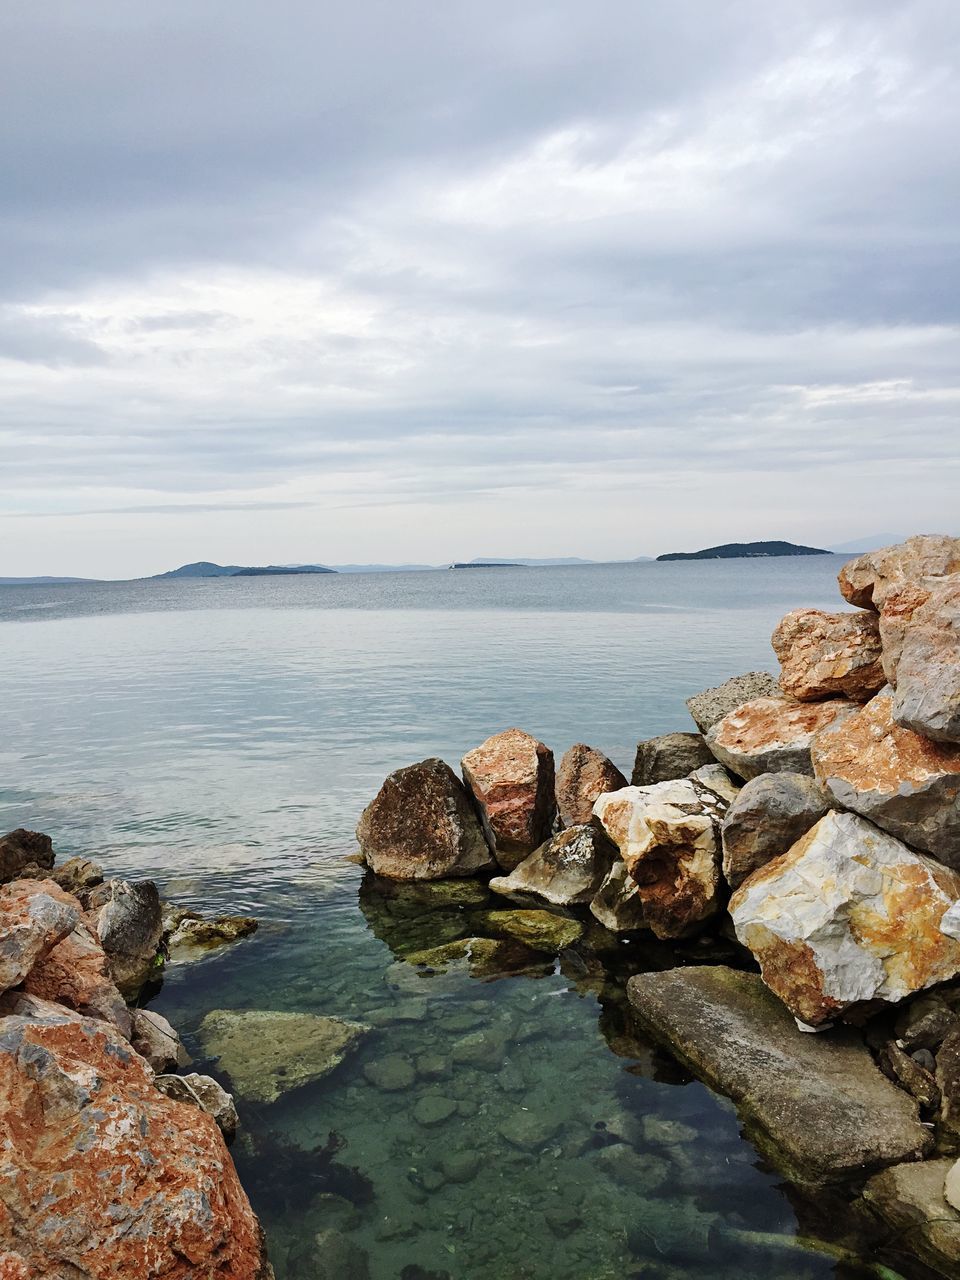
(409,280)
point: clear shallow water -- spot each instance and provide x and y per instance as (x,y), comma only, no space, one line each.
(223,737)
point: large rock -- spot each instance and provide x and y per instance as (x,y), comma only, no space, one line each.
(34,916)
(769,815)
(904,783)
(618,904)
(567,870)
(511,777)
(711,705)
(927,667)
(871,578)
(76,973)
(205,1094)
(105,1177)
(910,1199)
(773,735)
(584,774)
(422,826)
(156,1040)
(669,838)
(820,1100)
(829,655)
(21,850)
(668,756)
(266,1054)
(849,915)
(129,926)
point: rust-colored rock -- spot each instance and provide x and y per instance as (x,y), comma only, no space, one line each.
(772,735)
(23,850)
(922,655)
(868,580)
(904,783)
(103,1176)
(584,774)
(34,916)
(829,655)
(511,776)
(76,973)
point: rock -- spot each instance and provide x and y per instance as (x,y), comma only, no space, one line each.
(102,1174)
(768,816)
(129,927)
(668,835)
(539,930)
(584,774)
(391,1073)
(78,876)
(904,783)
(21,849)
(432,1109)
(76,973)
(34,916)
(773,735)
(951,1186)
(422,826)
(829,655)
(927,671)
(712,705)
(849,915)
(266,1054)
(618,904)
(910,1199)
(925,1023)
(567,870)
(511,777)
(917,1080)
(204,1093)
(155,1040)
(461,1166)
(188,933)
(668,756)
(820,1100)
(867,581)
(528,1130)
(329,1255)
(948,1082)
(487,958)
(718,780)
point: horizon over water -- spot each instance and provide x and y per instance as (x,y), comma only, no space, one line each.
(222,736)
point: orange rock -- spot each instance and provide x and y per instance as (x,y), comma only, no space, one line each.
(868,580)
(511,776)
(34,916)
(584,774)
(76,973)
(772,735)
(826,655)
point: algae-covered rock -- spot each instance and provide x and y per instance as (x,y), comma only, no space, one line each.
(486,958)
(392,1073)
(267,1053)
(188,934)
(540,930)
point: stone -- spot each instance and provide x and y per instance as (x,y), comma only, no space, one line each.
(155,1040)
(849,915)
(712,705)
(195,933)
(768,816)
(267,1054)
(567,870)
(897,1065)
(618,904)
(511,778)
(78,876)
(392,1073)
(668,835)
(328,1255)
(773,735)
(129,926)
(584,774)
(927,671)
(103,1175)
(539,930)
(204,1093)
(21,849)
(817,1104)
(948,1082)
(422,826)
(829,655)
(528,1130)
(718,780)
(925,1022)
(34,916)
(901,781)
(76,973)
(910,1200)
(951,1186)
(461,1166)
(486,958)
(867,581)
(667,757)
(432,1109)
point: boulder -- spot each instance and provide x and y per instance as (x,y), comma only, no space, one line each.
(718,780)
(618,904)
(34,916)
(422,826)
(711,705)
(567,870)
(820,1101)
(901,781)
(22,849)
(925,1023)
(668,835)
(773,735)
(76,973)
(539,930)
(78,876)
(205,1094)
(766,818)
(849,915)
(266,1054)
(667,757)
(511,777)
(910,1199)
(155,1040)
(103,1176)
(899,609)
(829,655)
(584,774)
(129,925)
(328,1255)
(927,672)
(948,1082)
(867,581)
(187,934)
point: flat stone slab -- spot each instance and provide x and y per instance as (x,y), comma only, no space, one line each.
(819,1100)
(910,1199)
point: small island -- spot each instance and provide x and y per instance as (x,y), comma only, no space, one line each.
(745,551)
(207,569)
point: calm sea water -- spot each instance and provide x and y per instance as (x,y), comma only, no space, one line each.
(223,737)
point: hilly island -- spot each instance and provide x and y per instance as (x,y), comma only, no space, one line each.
(746,550)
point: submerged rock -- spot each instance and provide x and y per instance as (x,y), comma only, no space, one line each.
(871,578)
(618,905)
(584,774)
(266,1054)
(927,672)
(773,735)
(129,925)
(667,757)
(901,781)
(849,915)
(829,655)
(511,777)
(422,826)
(567,870)
(187,933)
(35,915)
(768,816)
(329,1255)
(910,1199)
(21,850)
(712,705)
(820,1100)
(487,958)
(540,930)
(205,1094)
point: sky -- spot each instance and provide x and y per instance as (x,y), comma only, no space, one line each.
(300,281)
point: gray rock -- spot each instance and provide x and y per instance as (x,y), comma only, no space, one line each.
(528,1130)
(819,1104)
(769,815)
(392,1073)
(130,928)
(927,674)
(461,1166)
(205,1094)
(909,1199)
(35,916)
(78,876)
(618,904)
(567,870)
(925,1023)
(948,1082)
(155,1039)
(711,705)
(718,780)
(669,756)
(433,1109)
(21,849)
(910,1075)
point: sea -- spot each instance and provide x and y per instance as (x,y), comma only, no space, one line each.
(222,737)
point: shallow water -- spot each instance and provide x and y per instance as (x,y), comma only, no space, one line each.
(223,736)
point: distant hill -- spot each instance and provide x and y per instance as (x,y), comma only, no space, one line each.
(206,569)
(42,581)
(746,551)
(489,564)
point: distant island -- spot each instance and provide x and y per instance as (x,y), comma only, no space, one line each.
(746,551)
(207,569)
(489,564)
